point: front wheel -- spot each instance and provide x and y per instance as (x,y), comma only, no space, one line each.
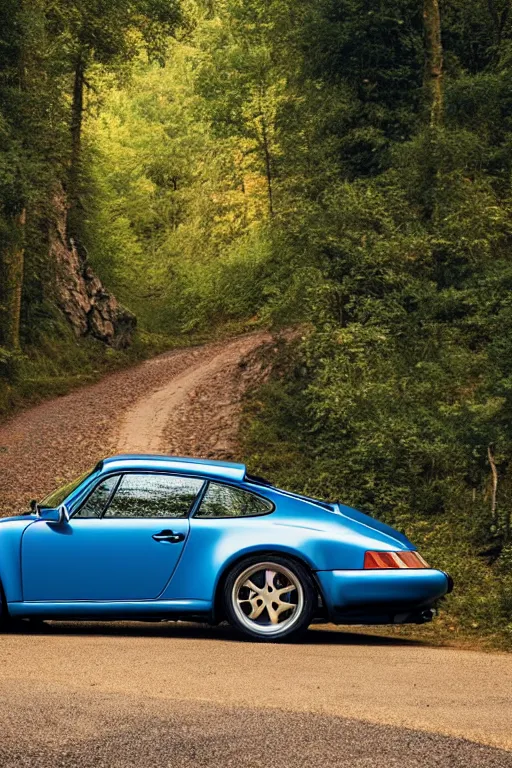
(269,599)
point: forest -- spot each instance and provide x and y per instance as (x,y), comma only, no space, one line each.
(173,169)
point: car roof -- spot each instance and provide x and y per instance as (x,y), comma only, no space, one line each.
(223,469)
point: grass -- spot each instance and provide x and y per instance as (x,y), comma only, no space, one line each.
(442,634)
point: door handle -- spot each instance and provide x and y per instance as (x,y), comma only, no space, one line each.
(169,536)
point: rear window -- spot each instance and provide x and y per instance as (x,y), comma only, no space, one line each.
(226,501)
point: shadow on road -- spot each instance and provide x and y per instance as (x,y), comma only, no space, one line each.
(320,635)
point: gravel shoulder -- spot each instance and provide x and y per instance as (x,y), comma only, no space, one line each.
(91,730)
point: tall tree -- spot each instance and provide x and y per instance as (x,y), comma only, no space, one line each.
(108,34)
(242,82)
(433,61)
(499,11)
(12,268)
(15,89)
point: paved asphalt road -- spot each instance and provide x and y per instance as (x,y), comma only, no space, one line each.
(183,695)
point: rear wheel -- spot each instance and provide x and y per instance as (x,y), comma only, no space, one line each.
(269,598)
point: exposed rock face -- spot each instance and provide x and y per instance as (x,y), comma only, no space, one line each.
(79,293)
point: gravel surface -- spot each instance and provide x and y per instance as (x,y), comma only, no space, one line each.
(98,730)
(197,412)
(332,673)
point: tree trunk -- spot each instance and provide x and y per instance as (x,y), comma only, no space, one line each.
(12,269)
(494,473)
(77,114)
(433,61)
(268,165)
(499,21)
(12,251)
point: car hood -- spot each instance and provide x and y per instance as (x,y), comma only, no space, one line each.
(17,518)
(398,538)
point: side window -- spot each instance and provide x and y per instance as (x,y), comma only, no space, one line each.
(98,499)
(154,495)
(226,501)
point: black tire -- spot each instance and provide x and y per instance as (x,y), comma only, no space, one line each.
(291,622)
(21,626)
(7,622)
(5,619)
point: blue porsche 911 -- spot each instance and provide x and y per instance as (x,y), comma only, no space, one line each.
(159,538)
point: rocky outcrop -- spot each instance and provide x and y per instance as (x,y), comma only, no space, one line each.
(80,294)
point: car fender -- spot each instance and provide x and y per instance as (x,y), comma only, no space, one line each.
(215,544)
(264,549)
(11,533)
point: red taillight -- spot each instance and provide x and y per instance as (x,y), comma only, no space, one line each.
(375,560)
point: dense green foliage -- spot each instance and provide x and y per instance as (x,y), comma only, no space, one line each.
(280,162)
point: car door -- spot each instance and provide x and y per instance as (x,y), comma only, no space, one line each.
(228,520)
(122,544)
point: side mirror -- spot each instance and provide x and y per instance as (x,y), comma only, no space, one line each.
(63,514)
(54,516)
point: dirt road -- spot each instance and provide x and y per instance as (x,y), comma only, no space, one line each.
(183,402)
(179,695)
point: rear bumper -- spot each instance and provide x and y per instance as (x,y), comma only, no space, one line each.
(382,596)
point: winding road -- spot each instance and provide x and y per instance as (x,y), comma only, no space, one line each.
(172,694)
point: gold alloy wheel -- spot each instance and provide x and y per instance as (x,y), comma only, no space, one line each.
(268,598)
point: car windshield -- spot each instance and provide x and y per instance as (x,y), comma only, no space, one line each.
(55,498)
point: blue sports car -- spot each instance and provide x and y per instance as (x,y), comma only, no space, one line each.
(159,538)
